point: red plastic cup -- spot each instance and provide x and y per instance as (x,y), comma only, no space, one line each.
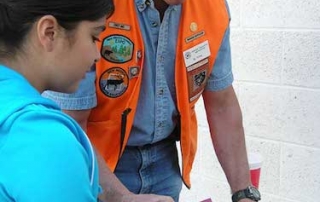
(255,163)
(207,200)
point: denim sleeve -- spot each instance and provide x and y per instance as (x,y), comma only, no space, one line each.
(221,76)
(83,98)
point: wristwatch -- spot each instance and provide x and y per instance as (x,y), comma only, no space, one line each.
(250,192)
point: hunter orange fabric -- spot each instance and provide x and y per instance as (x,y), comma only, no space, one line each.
(202,28)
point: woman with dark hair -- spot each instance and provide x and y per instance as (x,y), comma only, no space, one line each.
(44,154)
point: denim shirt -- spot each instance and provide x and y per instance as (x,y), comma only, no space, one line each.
(156,114)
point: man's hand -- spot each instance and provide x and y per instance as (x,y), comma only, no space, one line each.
(130,197)
(146,197)
(246,200)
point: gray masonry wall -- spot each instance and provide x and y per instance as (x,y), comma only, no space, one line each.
(276,63)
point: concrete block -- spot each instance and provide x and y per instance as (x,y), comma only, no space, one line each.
(281,14)
(301,59)
(262,13)
(300,114)
(257,56)
(283,114)
(301,13)
(261,110)
(300,176)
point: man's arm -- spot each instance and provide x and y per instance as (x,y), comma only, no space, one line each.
(225,122)
(113,189)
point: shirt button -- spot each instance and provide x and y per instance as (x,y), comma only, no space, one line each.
(154,24)
(142,6)
(160,124)
(160,58)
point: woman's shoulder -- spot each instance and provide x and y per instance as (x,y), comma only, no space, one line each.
(43,149)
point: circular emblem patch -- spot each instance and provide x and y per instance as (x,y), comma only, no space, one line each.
(117,49)
(114,82)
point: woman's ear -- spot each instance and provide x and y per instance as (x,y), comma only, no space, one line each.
(47,30)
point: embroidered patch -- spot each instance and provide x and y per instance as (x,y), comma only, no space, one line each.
(114,82)
(117,49)
(197,79)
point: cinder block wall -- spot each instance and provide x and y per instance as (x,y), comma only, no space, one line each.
(276,62)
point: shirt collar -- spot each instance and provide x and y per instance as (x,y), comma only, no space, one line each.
(142,5)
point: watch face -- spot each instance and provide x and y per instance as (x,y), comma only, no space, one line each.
(254,192)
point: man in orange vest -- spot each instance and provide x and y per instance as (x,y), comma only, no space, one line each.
(158,58)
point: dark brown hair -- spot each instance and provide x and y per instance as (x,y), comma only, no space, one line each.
(18,16)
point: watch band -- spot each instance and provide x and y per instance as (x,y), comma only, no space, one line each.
(250,192)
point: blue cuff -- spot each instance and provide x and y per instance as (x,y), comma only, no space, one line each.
(220,84)
(84,98)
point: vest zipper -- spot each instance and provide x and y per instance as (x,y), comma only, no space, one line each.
(123,127)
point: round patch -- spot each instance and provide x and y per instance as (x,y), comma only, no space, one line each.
(114,82)
(117,49)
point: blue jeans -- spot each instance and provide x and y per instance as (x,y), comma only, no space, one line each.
(151,169)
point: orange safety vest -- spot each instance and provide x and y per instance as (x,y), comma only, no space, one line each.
(119,72)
